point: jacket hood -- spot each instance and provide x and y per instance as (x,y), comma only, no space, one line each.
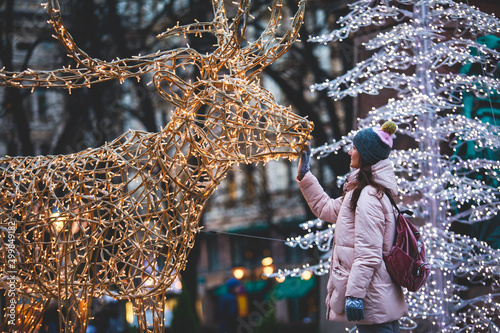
(383,173)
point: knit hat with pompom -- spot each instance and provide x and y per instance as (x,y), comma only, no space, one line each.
(374,144)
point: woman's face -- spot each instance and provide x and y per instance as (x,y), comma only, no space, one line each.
(355,159)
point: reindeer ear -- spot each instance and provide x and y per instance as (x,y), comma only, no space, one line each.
(171,87)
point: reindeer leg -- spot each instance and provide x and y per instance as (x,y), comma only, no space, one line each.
(29,313)
(74,313)
(155,304)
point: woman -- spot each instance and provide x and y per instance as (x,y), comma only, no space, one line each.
(359,288)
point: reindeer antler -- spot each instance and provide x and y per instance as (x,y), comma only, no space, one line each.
(93,70)
(226,35)
(254,57)
(269,47)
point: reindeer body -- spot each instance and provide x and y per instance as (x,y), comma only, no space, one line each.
(106,214)
(119,220)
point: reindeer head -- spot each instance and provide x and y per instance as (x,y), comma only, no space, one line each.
(228,114)
(227,107)
(233,120)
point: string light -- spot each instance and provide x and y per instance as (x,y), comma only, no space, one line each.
(413,58)
(126,214)
(447,251)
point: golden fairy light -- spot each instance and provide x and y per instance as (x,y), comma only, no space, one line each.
(120,219)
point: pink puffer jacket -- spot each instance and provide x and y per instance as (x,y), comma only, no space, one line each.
(357,268)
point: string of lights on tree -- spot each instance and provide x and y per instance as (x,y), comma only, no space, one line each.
(417,44)
(460,255)
(120,220)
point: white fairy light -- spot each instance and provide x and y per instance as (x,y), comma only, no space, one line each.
(449,252)
(414,58)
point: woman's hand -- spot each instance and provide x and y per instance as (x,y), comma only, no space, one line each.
(304,166)
(354,309)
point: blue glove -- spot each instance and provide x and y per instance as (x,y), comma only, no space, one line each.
(305,156)
(354,309)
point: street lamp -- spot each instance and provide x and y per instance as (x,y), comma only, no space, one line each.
(238,272)
(306,275)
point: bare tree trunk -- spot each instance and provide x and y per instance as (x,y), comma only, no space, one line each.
(12,103)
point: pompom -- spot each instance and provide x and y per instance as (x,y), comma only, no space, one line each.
(389,127)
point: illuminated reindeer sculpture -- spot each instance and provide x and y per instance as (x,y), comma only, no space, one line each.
(119,220)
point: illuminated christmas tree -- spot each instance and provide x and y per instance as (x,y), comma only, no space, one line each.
(417,54)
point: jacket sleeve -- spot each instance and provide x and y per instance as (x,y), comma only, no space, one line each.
(368,243)
(324,207)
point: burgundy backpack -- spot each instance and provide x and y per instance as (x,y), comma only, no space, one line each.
(406,261)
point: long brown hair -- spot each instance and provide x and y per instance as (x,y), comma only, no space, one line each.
(365,177)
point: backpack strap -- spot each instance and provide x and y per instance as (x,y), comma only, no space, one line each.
(407,212)
(392,200)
